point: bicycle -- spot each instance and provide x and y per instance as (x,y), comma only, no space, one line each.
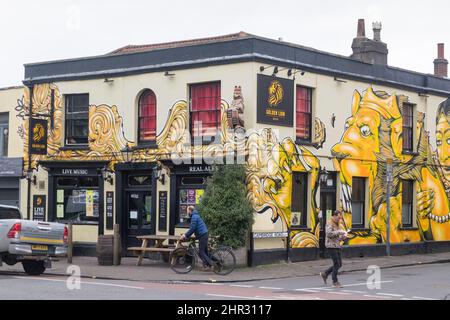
(184,258)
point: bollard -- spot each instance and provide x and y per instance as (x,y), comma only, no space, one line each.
(116,256)
(70,244)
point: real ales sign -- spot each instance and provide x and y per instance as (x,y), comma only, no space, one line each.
(275,101)
(38,137)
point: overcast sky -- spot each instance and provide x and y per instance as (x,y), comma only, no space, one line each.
(34,31)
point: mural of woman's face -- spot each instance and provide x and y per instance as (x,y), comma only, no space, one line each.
(443,140)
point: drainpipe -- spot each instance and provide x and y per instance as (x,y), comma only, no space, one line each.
(29,170)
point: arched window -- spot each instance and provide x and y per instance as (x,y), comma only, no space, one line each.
(147,117)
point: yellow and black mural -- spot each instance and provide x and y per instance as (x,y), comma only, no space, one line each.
(372,134)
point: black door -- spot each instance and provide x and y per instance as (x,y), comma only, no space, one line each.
(139,216)
(327,206)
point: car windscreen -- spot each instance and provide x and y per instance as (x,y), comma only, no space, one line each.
(9,213)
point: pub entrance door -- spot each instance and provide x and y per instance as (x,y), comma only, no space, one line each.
(327,206)
(139,216)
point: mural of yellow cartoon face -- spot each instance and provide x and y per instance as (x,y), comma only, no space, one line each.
(443,136)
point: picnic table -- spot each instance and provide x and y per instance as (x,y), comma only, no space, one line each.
(158,246)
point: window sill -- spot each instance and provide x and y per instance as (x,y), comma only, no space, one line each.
(74,147)
(408,228)
(410,153)
(78,223)
(141,146)
(300,228)
(182,225)
(359,229)
(206,141)
(307,143)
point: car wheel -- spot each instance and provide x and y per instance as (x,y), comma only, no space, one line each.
(33,268)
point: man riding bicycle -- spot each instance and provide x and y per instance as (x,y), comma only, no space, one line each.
(198,227)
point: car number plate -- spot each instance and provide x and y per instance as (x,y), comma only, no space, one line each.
(38,247)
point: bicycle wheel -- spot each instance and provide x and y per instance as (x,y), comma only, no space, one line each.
(182,260)
(225,260)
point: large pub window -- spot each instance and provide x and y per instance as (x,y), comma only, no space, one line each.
(407,202)
(358,202)
(408,126)
(147,117)
(190,192)
(303,114)
(4,133)
(299,198)
(77,119)
(77,199)
(205,101)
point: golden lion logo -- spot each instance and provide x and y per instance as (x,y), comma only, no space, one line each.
(39,201)
(276,93)
(38,132)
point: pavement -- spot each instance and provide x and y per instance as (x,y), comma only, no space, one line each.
(158,271)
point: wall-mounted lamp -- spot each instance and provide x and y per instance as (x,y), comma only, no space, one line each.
(31,178)
(107,176)
(339,80)
(333,120)
(168,74)
(323,175)
(109,81)
(158,172)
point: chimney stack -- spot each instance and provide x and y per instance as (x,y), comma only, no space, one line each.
(441,64)
(367,50)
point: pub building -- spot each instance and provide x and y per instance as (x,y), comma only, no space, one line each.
(312,124)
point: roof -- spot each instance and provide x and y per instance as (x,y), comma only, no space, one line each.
(228,49)
(177,44)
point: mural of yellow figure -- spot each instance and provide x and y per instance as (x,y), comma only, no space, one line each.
(269,180)
(443,143)
(373,134)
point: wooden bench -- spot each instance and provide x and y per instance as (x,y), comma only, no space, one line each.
(158,247)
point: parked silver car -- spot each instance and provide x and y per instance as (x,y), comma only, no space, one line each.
(32,243)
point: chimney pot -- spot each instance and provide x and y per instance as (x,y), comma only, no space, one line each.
(376,26)
(441,54)
(361,28)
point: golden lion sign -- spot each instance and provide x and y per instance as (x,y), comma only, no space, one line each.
(275,101)
(38,136)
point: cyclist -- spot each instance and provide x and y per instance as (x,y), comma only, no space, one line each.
(198,227)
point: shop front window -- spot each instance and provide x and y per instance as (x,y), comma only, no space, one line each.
(77,199)
(190,192)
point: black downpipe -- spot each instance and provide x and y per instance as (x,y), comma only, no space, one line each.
(30,116)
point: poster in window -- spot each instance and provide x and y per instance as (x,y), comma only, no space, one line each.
(60,196)
(183,196)
(198,195)
(89,203)
(191,196)
(183,213)
(60,211)
(275,101)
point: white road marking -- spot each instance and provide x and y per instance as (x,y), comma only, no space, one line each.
(270,288)
(423,298)
(354,291)
(390,294)
(338,292)
(83,282)
(212,283)
(229,296)
(241,286)
(365,283)
(376,297)
(325,289)
(306,290)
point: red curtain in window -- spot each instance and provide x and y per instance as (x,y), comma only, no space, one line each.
(147,117)
(303,113)
(205,109)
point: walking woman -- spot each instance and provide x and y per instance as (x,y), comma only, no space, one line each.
(334,236)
